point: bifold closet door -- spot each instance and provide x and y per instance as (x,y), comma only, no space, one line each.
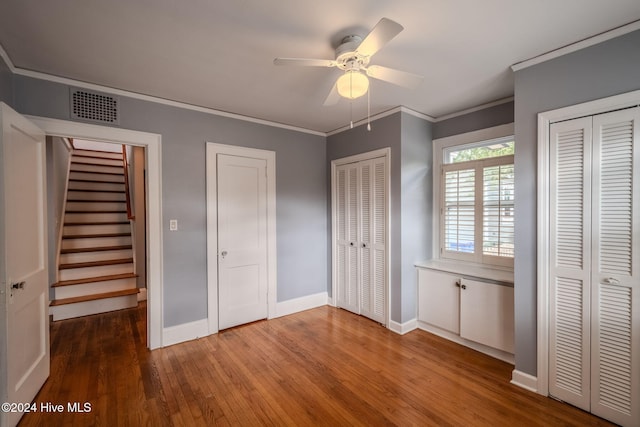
(594,335)
(361,237)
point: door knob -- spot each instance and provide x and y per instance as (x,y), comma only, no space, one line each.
(223,254)
(18,285)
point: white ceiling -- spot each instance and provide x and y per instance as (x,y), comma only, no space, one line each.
(219,53)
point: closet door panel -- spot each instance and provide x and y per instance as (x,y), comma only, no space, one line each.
(347,237)
(615,349)
(569,298)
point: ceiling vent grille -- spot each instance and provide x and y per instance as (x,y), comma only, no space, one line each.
(93,106)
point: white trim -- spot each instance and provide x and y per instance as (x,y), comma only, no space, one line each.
(382,152)
(297,305)
(152,143)
(403,328)
(212,150)
(474,109)
(490,351)
(573,47)
(524,380)
(545,119)
(185,332)
(418,114)
(450,141)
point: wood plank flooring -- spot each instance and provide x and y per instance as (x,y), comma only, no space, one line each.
(320,367)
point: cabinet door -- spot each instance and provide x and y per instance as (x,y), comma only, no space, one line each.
(486,314)
(438,295)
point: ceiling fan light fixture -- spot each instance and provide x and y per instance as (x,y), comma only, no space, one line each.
(352,84)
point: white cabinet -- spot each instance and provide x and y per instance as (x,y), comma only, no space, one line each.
(474,310)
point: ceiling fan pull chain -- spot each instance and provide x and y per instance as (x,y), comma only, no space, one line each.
(369,110)
(351,114)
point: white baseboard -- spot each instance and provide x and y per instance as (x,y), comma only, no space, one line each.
(490,351)
(524,380)
(185,332)
(296,305)
(403,328)
(142,294)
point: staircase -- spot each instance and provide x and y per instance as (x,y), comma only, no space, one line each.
(95,269)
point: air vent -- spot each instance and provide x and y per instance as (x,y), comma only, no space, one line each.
(93,106)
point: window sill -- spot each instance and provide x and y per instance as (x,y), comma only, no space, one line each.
(470,270)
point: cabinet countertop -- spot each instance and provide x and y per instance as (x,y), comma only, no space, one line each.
(468,269)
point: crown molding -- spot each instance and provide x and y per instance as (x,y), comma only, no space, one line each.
(573,47)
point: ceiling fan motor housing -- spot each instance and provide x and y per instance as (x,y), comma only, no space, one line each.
(346,56)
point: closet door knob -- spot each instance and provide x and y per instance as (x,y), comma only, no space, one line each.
(351,244)
(364,245)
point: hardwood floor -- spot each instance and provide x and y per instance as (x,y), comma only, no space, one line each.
(320,367)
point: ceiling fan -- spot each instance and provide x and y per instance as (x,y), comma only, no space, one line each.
(353,56)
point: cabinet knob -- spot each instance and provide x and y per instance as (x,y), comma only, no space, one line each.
(464,286)
(457,283)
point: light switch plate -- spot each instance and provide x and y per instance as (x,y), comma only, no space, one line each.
(173,225)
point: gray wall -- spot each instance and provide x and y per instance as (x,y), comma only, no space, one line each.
(409,139)
(493,116)
(300,187)
(606,69)
(416,206)
(6,84)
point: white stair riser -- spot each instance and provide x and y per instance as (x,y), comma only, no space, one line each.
(96,176)
(95,256)
(97,196)
(76,167)
(86,272)
(102,154)
(96,206)
(102,161)
(79,185)
(95,242)
(95,217)
(86,308)
(71,291)
(74,230)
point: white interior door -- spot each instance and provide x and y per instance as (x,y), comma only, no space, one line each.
(347,237)
(242,240)
(24,294)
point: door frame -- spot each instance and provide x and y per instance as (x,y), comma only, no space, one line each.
(213,149)
(152,143)
(545,119)
(369,155)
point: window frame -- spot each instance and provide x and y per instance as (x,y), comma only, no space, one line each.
(466,140)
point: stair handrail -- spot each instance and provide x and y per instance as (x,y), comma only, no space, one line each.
(127,191)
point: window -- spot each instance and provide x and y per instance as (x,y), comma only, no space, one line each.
(476,201)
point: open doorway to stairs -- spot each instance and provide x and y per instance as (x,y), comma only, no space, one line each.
(97,226)
(151,143)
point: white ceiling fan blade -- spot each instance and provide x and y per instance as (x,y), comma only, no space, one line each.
(382,33)
(304,62)
(333,97)
(397,77)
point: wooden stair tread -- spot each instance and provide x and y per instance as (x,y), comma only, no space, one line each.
(102,211)
(98,172)
(87,190)
(96,249)
(81,151)
(102,181)
(76,224)
(75,162)
(94,201)
(94,297)
(94,279)
(95,263)
(92,236)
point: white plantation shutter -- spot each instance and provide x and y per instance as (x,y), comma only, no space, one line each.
(570,201)
(497,227)
(459,206)
(615,350)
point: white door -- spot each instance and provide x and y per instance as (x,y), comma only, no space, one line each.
(24,293)
(347,237)
(242,240)
(594,336)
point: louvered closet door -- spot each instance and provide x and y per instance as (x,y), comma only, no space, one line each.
(615,291)
(347,237)
(372,238)
(569,298)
